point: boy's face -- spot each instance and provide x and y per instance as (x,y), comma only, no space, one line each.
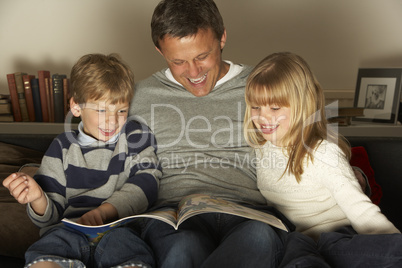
(195,61)
(101,119)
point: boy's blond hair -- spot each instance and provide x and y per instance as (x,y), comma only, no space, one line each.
(98,76)
(286,80)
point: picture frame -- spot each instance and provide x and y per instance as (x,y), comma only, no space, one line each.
(378,91)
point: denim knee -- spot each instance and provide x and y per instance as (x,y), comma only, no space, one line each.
(60,244)
(123,246)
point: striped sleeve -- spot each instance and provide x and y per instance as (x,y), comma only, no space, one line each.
(51,178)
(140,190)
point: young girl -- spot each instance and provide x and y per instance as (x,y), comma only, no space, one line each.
(303,168)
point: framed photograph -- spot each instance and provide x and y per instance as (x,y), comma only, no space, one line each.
(378,92)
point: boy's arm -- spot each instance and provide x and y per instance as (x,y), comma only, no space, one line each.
(140,190)
(25,190)
(51,178)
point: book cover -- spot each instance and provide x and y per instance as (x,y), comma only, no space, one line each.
(21,95)
(6,118)
(4,97)
(66,96)
(188,207)
(26,79)
(5,108)
(36,99)
(50,104)
(15,104)
(5,105)
(42,75)
(58,97)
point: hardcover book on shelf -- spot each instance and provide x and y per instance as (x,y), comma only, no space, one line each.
(42,75)
(66,92)
(26,79)
(49,95)
(6,118)
(36,99)
(58,97)
(4,97)
(189,206)
(5,107)
(15,104)
(21,95)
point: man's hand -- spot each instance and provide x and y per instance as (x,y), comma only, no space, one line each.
(360,179)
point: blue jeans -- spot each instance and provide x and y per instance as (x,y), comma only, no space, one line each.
(343,248)
(70,248)
(215,240)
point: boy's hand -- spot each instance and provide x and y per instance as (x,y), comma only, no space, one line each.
(100,215)
(23,187)
(93,217)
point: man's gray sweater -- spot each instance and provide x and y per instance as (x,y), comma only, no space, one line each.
(200,140)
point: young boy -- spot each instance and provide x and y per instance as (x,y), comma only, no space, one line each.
(105,170)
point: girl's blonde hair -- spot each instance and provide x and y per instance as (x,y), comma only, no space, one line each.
(286,80)
(98,76)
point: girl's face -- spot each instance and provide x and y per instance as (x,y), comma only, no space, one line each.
(101,119)
(272,121)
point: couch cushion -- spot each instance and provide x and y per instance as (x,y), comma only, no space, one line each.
(17,232)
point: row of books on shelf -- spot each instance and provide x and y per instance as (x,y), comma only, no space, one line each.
(35,99)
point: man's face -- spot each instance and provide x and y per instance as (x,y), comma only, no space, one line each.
(195,61)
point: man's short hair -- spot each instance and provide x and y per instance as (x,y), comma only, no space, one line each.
(181,18)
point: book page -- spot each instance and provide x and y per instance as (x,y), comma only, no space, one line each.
(95,233)
(197,204)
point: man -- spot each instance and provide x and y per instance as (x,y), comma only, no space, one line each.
(195,109)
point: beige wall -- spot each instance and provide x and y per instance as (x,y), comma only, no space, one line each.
(335,37)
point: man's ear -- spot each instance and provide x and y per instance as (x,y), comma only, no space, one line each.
(160,52)
(223,39)
(75,108)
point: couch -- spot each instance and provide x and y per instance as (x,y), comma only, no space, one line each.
(383,163)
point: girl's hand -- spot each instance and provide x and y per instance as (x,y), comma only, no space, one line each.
(23,188)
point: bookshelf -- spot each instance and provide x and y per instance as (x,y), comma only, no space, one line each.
(356,129)
(367,129)
(33,128)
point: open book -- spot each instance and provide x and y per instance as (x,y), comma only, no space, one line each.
(189,206)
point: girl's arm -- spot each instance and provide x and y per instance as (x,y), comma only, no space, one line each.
(364,216)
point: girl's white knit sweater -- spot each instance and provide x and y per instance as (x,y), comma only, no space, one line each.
(328,196)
